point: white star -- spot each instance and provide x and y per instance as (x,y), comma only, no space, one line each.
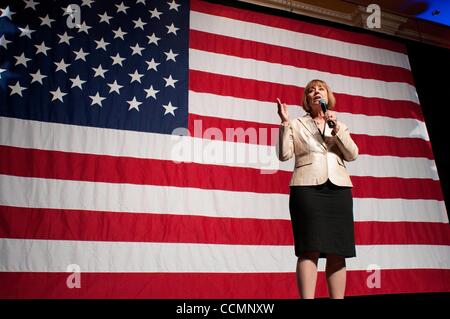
(104,18)
(155,14)
(153,39)
(64,38)
(80,55)
(61,66)
(151,92)
(77,82)
(115,87)
(46,20)
(135,76)
(22,60)
(7,13)
(17,89)
(152,64)
(69,10)
(58,95)
(140,1)
(101,44)
(121,8)
(170,81)
(42,48)
(37,77)
(139,23)
(119,33)
(172,29)
(134,104)
(137,49)
(83,27)
(1,71)
(4,42)
(30,4)
(173,5)
(26,32)
(87,3)
(97,99)
(169,108)
(99,71)
(117,59)
(170,55)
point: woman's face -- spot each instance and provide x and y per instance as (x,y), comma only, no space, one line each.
(315,93)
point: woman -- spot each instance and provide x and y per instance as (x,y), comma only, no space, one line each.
(320,202)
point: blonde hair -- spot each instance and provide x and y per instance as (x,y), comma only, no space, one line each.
(331,98)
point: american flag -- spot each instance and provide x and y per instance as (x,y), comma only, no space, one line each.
(137,144)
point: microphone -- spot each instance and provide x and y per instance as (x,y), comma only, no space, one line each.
(324,110)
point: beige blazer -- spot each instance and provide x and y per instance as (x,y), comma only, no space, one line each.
(316,159)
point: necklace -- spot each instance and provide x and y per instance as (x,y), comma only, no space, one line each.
(318,125)
(317,122)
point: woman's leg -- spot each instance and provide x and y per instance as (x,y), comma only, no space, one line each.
(307,274)
(336,276)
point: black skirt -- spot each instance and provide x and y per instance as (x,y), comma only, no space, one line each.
(322,219)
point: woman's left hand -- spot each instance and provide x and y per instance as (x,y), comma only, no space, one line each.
(331,116)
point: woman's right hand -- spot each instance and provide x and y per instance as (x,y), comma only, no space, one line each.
(282,111)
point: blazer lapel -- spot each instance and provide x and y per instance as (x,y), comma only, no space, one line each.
(309,124)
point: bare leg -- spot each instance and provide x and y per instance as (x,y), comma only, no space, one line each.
(307,274)
(336,276)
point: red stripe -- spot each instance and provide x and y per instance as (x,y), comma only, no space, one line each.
(298,58)
(111,169)
(393,187)
(224,85)
(393,146)
(297,26)
(402,233)
(210,285)
(267,134)
(53,224)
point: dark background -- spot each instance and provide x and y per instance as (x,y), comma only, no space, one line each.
(431,70)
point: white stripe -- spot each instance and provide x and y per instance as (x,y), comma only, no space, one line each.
(226,107)
(393,166)
(295,40)
(398,210)
(40,193)
(130,198)
(233,108)
(384,126)
(290,75)
(56,255)
(70,138)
